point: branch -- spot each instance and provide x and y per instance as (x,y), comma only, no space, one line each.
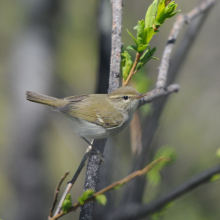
(94,161)
(91,178)
(181,19)
(137,211)
(157,93)
(115,184)
(116,45)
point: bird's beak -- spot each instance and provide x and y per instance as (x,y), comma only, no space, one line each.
(141,95)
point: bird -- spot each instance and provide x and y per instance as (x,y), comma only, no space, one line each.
(95,116)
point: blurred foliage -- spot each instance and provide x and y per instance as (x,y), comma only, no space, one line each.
(218,153)
(162,212)
(142,84)
(101,199)
(153,175)
(215,178)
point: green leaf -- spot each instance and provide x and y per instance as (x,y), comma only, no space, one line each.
(132,48)
(141,48)
(171,15)
(145,57)
(85,196)
(67,203)
(165,12)
(153,175)
(132,37)
(157,24)
(150,33)
(215,177)
(126,64)
(161,7)
(141,39)
(154,58)
(151,14)
(101,199)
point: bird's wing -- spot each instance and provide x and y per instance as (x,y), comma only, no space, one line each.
(75,98)
(92,109)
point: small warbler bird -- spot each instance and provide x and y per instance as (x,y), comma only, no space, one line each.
(96,115)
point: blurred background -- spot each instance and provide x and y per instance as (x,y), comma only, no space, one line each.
(62,48)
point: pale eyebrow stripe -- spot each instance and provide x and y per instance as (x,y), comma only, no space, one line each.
(116,96)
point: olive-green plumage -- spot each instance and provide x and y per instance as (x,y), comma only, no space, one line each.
(95,115)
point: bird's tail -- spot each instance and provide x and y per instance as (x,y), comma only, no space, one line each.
(45,100)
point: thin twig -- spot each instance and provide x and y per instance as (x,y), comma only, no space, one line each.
(132,71)
(138,211)
(71,183)
(57,192)
(157,93)
(115,184)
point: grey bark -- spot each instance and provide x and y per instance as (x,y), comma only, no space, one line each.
(94,161)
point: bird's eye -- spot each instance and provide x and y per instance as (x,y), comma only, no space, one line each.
(125,97)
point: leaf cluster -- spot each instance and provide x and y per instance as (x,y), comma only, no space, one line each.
(155,16)
(88,194)
(67,203)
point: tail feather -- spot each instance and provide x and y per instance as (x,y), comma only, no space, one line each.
(45,100)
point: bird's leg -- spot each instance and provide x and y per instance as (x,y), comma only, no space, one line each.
(95,149)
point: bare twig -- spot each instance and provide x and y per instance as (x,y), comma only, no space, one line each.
(71,183)
(138,211)
(115,184)
(157,93)
(57,192)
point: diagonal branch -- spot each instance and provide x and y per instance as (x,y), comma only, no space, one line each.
(137,211)
(157,93)
(114,185)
